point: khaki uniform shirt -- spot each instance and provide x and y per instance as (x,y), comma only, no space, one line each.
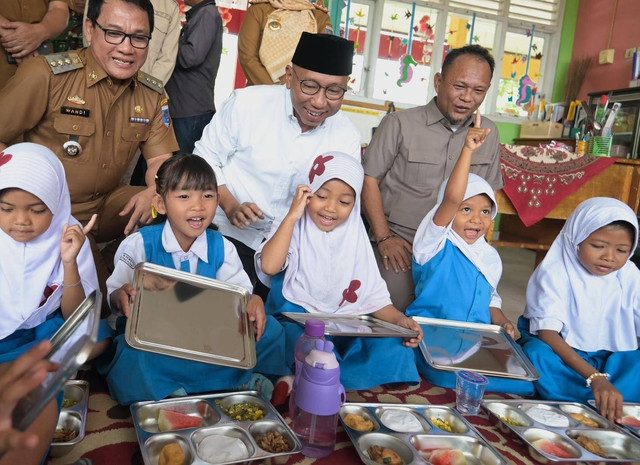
(84,103)
(412,152)
(250,38)
(26,11)
(163,47)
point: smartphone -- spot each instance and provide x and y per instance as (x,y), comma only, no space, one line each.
(71,346)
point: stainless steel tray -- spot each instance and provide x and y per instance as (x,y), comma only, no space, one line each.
(486,349)
(214,421)
(72,417)
(353,325)
(629,409)
(191,317)
(511,416)
(70,348)
(414,448)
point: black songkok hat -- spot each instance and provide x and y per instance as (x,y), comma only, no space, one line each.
(324,53)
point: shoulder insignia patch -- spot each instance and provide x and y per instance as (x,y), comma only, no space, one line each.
(63,62)
(150,81)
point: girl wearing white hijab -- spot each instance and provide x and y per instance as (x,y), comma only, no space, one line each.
(582,319)
(47,268)
(455,269)
(319,260)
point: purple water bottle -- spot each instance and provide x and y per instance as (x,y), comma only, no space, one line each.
(319,396)
(313,331)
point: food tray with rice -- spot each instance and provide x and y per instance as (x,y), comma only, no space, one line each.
(224,428)
(411,434)
(353,325)
(630,416)
(72,419)
(564,432)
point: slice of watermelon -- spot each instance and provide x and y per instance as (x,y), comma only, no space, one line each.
(630,421)
(447,457)
(169,420)
(550,447)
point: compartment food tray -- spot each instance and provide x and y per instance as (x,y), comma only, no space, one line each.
(414,447)
(511,416)
(72,417)
(209,408)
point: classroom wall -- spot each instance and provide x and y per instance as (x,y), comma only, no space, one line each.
(595,18)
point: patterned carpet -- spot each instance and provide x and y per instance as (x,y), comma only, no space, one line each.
(111,440)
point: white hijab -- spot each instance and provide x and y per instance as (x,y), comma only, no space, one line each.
(325,267)
(590,312)
(481,254)
(27,269)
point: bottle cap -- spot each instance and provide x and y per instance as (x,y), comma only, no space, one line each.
(314,327)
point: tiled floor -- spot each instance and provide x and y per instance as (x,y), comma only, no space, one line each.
(518,264)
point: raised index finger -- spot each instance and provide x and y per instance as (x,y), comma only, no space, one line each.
(90,224)
(478,119)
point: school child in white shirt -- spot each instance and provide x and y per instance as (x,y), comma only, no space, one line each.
(186,198)
(582,321)
(319,260)
(46,269)
(455,269)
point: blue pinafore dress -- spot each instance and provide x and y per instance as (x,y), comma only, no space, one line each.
(135,375)
(451,287)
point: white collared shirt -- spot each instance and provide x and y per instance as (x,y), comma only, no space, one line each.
(257,149)
(131,252)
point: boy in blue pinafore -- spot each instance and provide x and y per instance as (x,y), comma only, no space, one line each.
(582,321)
(456,271)
(46,269)
(187,195)
(319,260)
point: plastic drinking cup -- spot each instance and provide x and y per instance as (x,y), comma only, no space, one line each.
(469,391)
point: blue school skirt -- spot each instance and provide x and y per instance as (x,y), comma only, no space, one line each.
(22,340)
(558,381)
(364,362)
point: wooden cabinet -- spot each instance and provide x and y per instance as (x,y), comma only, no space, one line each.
(536,142)
(621,181)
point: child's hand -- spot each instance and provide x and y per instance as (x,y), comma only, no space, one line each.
(410,323)
(72,239)
(476,135)
(608,399)
(120,298)
(255,308)
(300,202)
(509,329)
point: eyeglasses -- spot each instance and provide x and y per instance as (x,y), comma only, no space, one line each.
(311,87)
(113,37)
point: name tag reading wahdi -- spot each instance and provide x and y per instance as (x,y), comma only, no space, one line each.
(75,111)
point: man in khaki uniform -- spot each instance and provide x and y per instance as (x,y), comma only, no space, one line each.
(94,108)
(163,47)
(24,26)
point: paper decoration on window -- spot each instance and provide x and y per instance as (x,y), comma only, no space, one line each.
(527,87)
(406,60)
